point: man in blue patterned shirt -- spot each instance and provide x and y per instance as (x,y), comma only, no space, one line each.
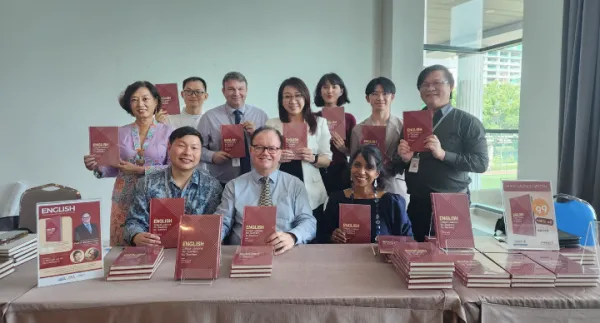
(202,193)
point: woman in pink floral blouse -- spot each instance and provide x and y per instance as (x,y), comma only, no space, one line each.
(143,148)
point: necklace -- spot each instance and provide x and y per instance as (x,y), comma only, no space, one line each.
(377,221)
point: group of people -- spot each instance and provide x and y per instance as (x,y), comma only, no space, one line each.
(180,156)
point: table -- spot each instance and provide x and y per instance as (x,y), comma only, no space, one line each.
(310,283)
(531,305)
(16,284)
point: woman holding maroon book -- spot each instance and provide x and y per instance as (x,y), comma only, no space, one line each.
(142,148)
(388,210)
(331,92)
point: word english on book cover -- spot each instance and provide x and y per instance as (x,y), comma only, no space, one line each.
(70,242)
(529,215)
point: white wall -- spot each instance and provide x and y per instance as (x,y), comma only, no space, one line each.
(540,90)
(65,62)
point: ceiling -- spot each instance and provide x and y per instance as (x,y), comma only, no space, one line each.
(502,21)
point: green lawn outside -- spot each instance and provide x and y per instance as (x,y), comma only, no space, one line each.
(503,166)
(495,180)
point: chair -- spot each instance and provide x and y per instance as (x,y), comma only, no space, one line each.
(45,193)
(574,215)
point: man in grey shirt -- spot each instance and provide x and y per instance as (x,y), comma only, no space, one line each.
(234,111)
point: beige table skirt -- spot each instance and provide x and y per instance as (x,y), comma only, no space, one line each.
(310,283)
(16,284)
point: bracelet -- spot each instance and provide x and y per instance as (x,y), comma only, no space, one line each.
(316,159)
(97,173)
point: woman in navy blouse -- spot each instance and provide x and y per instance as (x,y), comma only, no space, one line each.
(388,210)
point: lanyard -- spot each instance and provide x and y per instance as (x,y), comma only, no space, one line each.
(440,121)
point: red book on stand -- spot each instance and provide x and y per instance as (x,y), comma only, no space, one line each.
(452,218)
(199,247)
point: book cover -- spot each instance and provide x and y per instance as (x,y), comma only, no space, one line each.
(258,225)
(373,135)
(9,236)
(142,257)
(520,266)
(53,229)
(522,215)
(295,136)
(529,215)
(355,221)
(452,218)
(104,145)
(385,244)
(422,254)
(248,257)
(73,252)
(562,266)
(336,120)
(199,247)
(233,140)
(418,125)
(165,214)
(169,97)
(479,266)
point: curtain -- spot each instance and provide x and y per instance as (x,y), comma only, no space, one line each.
(579,125)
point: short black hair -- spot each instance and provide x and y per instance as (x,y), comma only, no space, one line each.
(194,79)
(332,79)
(433,68)
(267,128)
(125,99)
(185,131)
(373,157)
(387,85)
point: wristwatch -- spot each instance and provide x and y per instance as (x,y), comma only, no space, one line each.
(97,173)
(316,159)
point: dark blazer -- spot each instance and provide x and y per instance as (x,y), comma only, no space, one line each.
(82,233)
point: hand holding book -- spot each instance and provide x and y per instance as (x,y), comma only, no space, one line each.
(432,143)
(338,236)
(146,239)
(404,151)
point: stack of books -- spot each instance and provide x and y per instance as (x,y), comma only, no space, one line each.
(423,265)
(136,263)
(385,246)
(17,246)
(7,267)
(523,271)
(252,262)
(568,273)
(477,270)
(583,255)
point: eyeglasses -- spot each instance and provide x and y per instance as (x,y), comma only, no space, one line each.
(260,149)
(437,85)
(193,92)
(296,97)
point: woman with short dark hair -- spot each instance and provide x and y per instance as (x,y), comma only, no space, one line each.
(388,210)
(142,147)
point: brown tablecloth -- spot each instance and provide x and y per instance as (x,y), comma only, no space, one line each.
(16,284)
(531,305)
(310,283)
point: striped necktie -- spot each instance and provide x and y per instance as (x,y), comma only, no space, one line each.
(265,194)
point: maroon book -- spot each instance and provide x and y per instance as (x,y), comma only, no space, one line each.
(373,135)
(355,221)
(521,213)
(418,125)
(137,258)
(169,97)
(386,244)
(259,225)
(452,218)
(253,257)
(199,247)
(336,120)
(233,141)
(295,136)
(53,229)
(165,215)
(104,145)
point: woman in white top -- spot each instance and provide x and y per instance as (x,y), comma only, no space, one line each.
(294,107)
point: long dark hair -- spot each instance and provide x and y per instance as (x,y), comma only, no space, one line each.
(307,113)
(332,79)
(373,157)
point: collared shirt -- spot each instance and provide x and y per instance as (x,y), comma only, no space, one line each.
(288,194)
(202,195)
(210,129)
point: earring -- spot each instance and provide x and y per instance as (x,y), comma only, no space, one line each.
(375,184)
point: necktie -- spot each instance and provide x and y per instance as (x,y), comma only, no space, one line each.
(265,193)
(437,116)
(244,161)
(89,227)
